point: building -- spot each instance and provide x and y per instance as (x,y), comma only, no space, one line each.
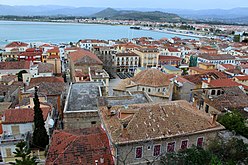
(31,54)
(221,99)
(14,67)
(125,62)
(81,109)
(82,146)
(80,61)
(152,81)
(21,46)
(141,133)
(182,89)
(88,44)
(241,80)
(18,126)
(169,60)
(207,50)
(216,59)
(169,69)
(148,57)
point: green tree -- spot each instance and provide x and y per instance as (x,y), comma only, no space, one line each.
(40,137)
(23,152)
(19,75)
(236,38)
(234,121)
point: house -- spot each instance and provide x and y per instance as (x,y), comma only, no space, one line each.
(18,125)
(171,51)
(14,68)
(86,146)
(208,50)
(99,75)
(209,83)
(31,54)
(182,89)
(148,57)
(241,79)
(87,44)
(141,133)
(13,49)
(169,69)
(217,59)
(220,100)
(81,60)
(152,81)
(169,60)
(38,70)
(81,109)
(125,62)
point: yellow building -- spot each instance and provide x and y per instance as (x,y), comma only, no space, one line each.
(148,57)
(51,53)
(207,66)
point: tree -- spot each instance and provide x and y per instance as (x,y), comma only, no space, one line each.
(234,121)
(19,75)
(23,152)
(236,38)
(40,137)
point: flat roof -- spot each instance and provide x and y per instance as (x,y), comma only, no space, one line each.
(134,98)
(172,68)
(83,96)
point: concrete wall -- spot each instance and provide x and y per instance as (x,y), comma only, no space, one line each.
(24,128)
(76,120)
(129,149)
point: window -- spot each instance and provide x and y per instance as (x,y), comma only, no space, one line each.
(8,152)
(148,147)
(138,152)
(207,108)
(171,147)
(200,142)
(93,122)
(149,90)
(213,92)
(156,150)
(184,144)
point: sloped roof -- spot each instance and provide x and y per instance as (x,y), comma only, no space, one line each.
(155,121)
(84,56)
(152,77)
(45,67)
(81,146)
(16,44)
(14,116)
(15,65)
(46,79)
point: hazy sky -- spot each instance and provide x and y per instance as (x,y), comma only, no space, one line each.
(186,4)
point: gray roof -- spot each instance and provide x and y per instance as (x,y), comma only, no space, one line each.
(83,96)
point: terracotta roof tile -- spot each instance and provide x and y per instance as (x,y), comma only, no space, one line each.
(15,65)
(12,116)
(82,146)
(16,44)
(155,121)
(84,56)
(46,79)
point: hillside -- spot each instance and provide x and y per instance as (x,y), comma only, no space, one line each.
(138,15)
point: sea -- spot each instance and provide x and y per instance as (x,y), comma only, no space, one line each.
(50,32)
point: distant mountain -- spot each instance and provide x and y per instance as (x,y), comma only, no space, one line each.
(47,10)
(138,15)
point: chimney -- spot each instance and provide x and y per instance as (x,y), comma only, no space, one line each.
(214,118)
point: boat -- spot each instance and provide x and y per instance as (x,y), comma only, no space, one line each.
(135,27)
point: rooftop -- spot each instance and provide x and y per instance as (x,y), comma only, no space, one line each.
(83,96)
(154,121)
(133,98)
(82,146)
(15,65)
(171,68)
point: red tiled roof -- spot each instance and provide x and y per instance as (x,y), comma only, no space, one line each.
(222,83)
(82,146)
(15,65)
(80,54)
(16,44)
(46,79)
(242,77)
(228,66)
(26,115)
(171,49)
(169,58)
(54,50)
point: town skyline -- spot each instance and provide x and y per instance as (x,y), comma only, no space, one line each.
(177,4)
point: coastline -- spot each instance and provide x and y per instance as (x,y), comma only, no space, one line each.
(110,24)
